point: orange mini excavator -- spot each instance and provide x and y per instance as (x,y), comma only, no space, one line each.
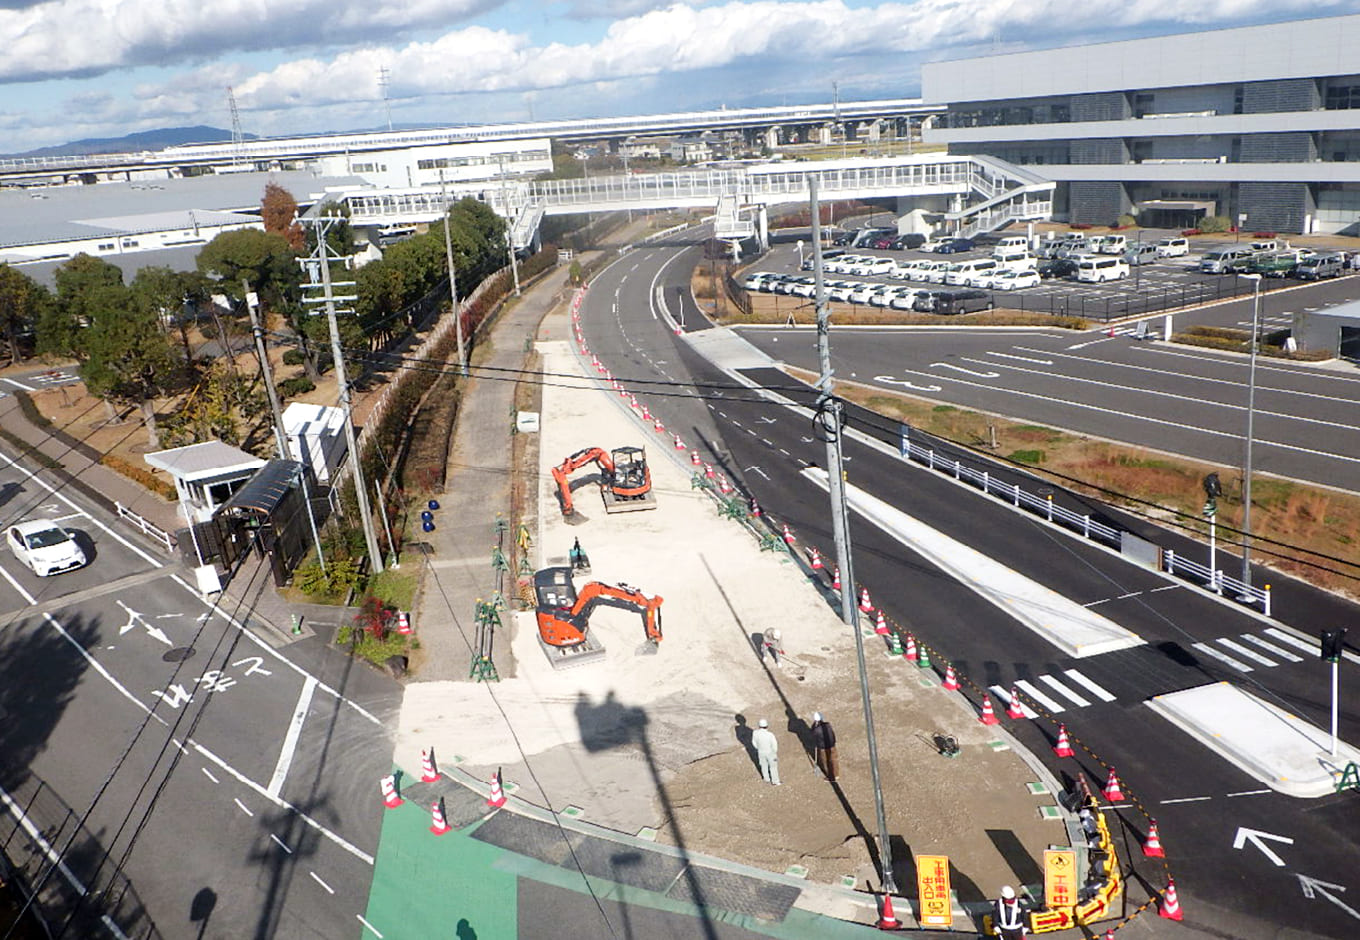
(625,481)
(564,615)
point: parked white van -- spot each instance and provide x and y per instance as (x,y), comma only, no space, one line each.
(1011,244)
(1113,245)
(1222,260)
(1097,269)
(1016,261)
(969,273)
(1141,254)
(1173,247)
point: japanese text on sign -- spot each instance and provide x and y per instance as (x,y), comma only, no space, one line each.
(1060,878)
(932,883)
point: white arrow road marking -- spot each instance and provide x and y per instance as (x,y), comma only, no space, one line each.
(1256,835)
(757,470)
(134,618)
(1312,887)
(764,420)
(981,375)
(889,380)
(807,440)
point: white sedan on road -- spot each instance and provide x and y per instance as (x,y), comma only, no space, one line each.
(45,547)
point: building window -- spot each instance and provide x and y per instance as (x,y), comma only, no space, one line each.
(1143,104)
(1343,98)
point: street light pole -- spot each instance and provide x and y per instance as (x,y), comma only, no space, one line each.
(453,278)
(830,415)
(1251,417)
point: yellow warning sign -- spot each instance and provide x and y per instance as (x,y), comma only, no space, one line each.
(1060,878)
(932,884)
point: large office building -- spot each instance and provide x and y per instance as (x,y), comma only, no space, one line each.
(1260,124)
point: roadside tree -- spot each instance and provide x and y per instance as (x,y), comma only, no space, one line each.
(129,359)
(21,300)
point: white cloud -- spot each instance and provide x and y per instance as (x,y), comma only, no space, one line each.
(89,37)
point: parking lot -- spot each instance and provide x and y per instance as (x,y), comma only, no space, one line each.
(1165,284)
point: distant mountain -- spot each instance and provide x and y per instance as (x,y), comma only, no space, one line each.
(143,140)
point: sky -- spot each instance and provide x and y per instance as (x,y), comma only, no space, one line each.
(104,68)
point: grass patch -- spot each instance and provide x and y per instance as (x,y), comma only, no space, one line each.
(943,409)
(1033,457)
(396,588)
(365,646)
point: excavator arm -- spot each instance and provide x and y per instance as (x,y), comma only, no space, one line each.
(625,596)
(576,461)
(564,616)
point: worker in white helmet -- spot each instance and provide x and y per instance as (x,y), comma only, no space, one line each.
(772,645)
(767,752)
(1008,915)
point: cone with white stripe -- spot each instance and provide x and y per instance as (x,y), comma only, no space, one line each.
(389,792)
(951,681)
(1014,709)
(679,444)
(923,659)
(1112,791)
(695,459)
(1170,908)
(836,579)
(1152,845)
(887,920)
(865,605)
(438,825)
(708,470)
(656,423)
(497,797)
(723,486)
(988,716)
(788,536)
(1064,747)
(881,625)
(894,644)
(403,623)
(816,562)
(428,773)
(911,649)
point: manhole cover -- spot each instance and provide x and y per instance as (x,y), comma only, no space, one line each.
(179,654)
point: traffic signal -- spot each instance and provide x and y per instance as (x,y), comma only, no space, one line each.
(1332,641)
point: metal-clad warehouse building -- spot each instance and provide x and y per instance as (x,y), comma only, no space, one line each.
(1261,122)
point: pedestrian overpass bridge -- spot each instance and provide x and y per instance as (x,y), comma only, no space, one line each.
(973,194)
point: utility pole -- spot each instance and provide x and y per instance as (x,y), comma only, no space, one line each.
(509,225)
(1251,420)
(831,420)
(280,432)
(453,279)
(320,259)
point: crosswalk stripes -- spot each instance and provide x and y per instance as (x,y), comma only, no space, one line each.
(1226,646)
(1060,688)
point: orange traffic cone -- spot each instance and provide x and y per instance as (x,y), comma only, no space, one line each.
(1112,791)
(497,797)
(816,562)
(865,604)
(708,471)
(723,486)
(911,649)
(428,773)
(389,792)
(1014,708)
(694,458)
(1064,747)
(658,426)
(437,824)
(1152,845)
(888,920)
(836,579)
(788,536)
(755,508)
(988,716)
(881,626)
(951,681)
(1170,908)
(403,623)
(679,444)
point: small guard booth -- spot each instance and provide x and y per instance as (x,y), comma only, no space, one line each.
(270,513)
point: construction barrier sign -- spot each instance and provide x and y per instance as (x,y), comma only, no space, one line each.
(932,883)
(1060,878)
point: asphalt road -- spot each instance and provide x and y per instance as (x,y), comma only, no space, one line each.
(1199,799)
(232,778)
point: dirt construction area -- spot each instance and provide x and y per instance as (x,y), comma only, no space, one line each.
(643,740)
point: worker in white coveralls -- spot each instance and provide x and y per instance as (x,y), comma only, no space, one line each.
(767,752)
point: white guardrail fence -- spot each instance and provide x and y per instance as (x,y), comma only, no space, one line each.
(1216,581)
(148,528)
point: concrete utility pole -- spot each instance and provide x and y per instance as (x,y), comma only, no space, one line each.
(320,259)
(453,279)
(830,416)
(1251,421)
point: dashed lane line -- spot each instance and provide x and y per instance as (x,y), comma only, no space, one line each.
(323,884)
(245,809)
(369,926)
(280,843)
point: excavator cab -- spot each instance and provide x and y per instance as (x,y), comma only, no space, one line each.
(564,615)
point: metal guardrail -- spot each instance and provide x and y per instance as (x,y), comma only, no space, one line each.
(147,528)
(1044,506)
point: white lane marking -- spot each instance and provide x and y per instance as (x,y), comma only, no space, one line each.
(1208,650)
(1251,792)
(369,926)
(1064,691)
(320,882)
(1029,689)
(18,587)
(1311,648)
(280,843)
(1094,342)
(208,773)
(27,388)
(1089,685)
(283,804)
(279,656)
(1242,651)
(1135,416)
(1168,587)
(36,835)
(98,667)
(243,807)
(1276,650)
(1042,362)
(757,470)
(290,740)
(981,375)
(112,534)
(1005,696)
(1188,799)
